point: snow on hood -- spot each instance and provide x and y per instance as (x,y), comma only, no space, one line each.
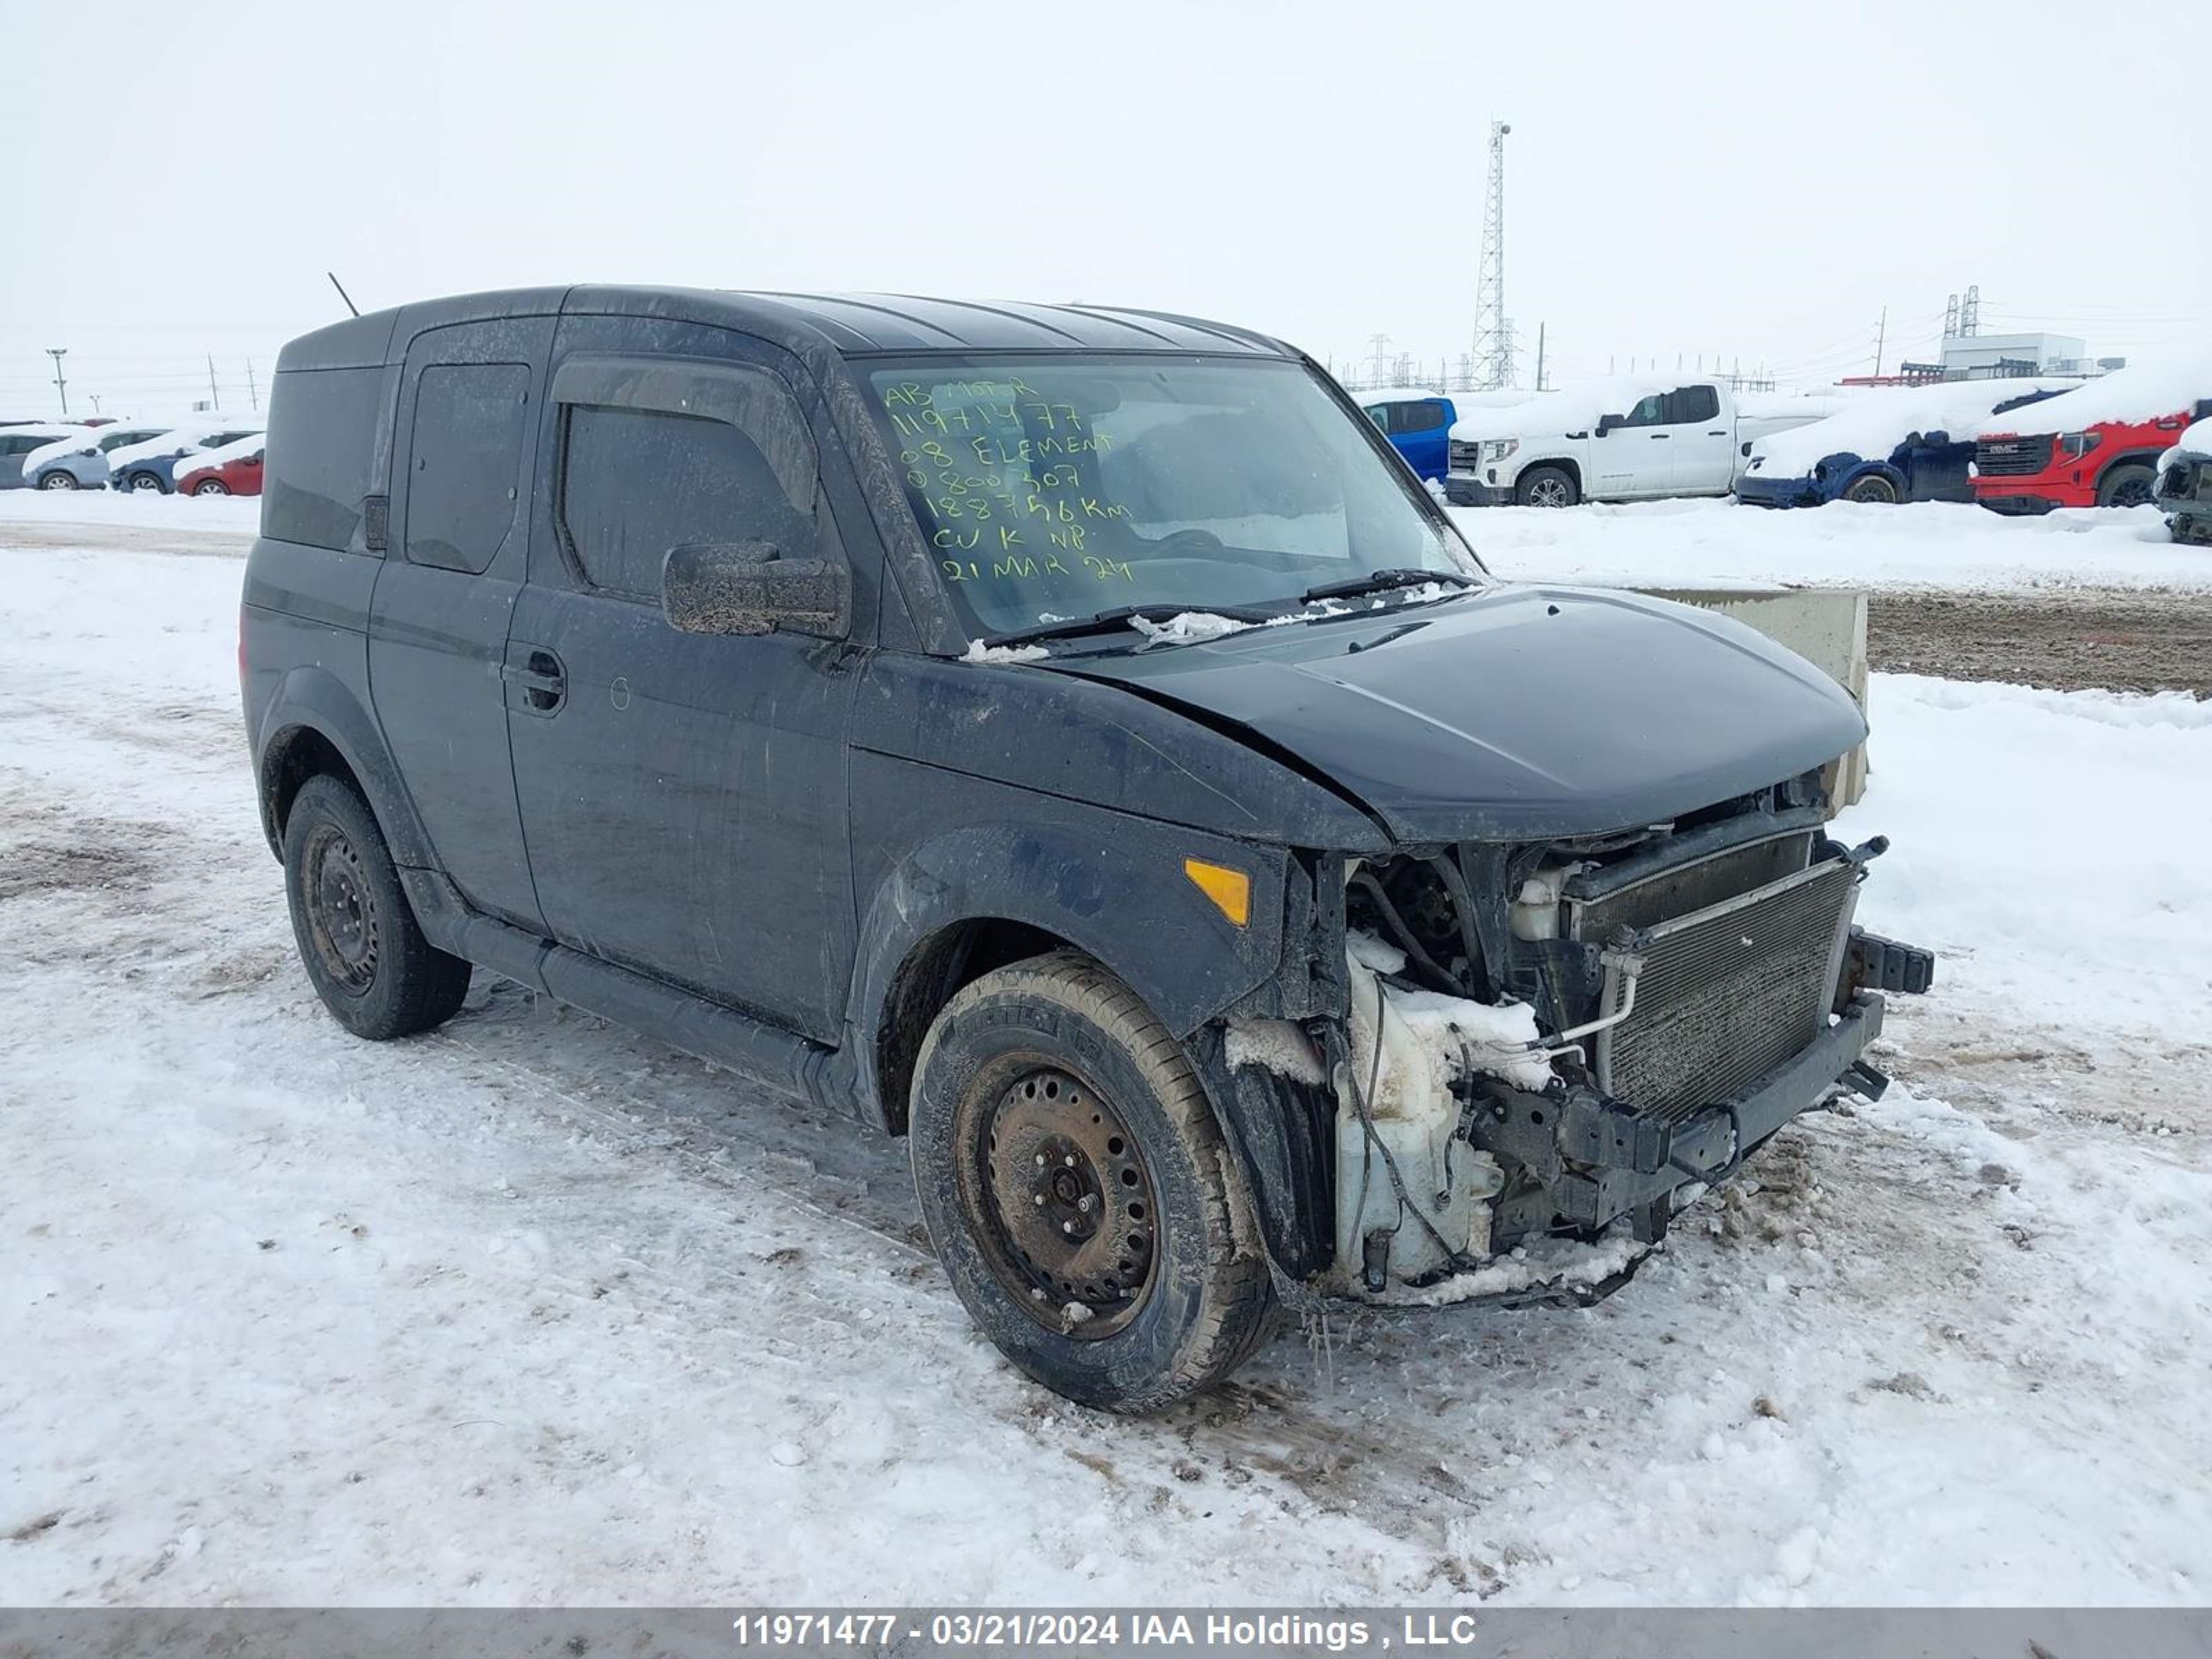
(64,439)
(227,452)
(2143,393)
(184,437)
(1874,423)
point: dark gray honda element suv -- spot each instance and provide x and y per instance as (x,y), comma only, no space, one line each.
(1068,738)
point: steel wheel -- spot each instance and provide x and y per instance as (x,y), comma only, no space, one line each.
(145,481)
(1874,488)
(1548,492)
(57,479)
(341,912)
(211,486)
(1067,1201)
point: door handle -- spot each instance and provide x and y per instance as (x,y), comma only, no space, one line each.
(1657,436)
(539,682)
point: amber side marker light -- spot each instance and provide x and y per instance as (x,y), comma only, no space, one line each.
(1229,890)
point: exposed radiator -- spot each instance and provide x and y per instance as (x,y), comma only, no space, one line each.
(1730,992)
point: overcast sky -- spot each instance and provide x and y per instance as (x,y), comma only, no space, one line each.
(1743,182)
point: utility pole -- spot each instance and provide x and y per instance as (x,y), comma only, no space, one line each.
(1880,340)
(61,386)
(1539,356)
(215,398)
(1493,346)
(253,393)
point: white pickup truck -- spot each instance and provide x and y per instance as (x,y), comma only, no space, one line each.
(1623,440)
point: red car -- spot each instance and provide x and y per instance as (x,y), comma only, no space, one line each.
(234,470)
(2099,445)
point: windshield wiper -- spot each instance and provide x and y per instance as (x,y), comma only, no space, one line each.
(1374,581)
(1105,622)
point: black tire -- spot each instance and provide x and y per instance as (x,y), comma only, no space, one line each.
(357,935)
(139,480)
(210,487)
(1205,1301)
(1547,486)
(59,478)
(2128,484)
(1875,489)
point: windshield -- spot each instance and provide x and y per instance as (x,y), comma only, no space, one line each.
(1058,488)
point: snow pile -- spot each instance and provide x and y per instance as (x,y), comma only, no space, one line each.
(1873,425)
(979,651)
(1708,543)
(1395,394)
(1543,1264)
(1571,408)
(169,443)
(1272,1045)
(1187,628)
(1457,1037)
(68,441)
(2142,392)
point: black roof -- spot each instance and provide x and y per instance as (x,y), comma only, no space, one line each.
(848,323)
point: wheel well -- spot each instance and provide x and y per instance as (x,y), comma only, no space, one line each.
(1562,463)
(296,756)
(935,972)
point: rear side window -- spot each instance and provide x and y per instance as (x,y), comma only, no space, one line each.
(636,482)
(1420,417)
(1695,403)
(322,442)
(464,480)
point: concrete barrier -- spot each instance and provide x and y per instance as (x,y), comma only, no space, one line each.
(1826,626)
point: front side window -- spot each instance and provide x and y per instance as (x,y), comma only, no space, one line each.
(115,441)
(1055,488)
(636,482)
(462,488)
(1651,411)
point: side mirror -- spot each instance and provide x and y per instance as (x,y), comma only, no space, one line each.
(749,587)
(1606,422)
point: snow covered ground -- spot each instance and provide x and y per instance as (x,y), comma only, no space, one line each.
(1925,544)
(532,1309)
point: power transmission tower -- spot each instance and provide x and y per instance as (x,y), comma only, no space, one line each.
(1377,362)
(1951,318)
(1970,314)
(1493,339)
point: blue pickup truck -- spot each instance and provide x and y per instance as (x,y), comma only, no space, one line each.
(1418,426)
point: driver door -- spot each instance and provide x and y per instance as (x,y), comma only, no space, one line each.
(1629,457)
(683,795)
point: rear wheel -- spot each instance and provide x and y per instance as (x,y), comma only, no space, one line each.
(2130,484)
(1079,1192)
(1547,486)
(57,479)
(210,487)
(145,481)
(1872,488)
(357,934)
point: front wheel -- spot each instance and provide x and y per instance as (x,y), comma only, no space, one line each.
(145,481)
(1547,486)
(57,479)
(2128,485)
(210,487)
(1078,1189)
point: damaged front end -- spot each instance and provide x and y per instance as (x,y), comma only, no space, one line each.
(1540,1041)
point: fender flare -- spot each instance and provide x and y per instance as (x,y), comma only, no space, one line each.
(1121,898)
(312,699)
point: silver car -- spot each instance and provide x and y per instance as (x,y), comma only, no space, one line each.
(62,464)
(19,443)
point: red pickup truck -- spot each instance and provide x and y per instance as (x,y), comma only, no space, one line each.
(2100,448)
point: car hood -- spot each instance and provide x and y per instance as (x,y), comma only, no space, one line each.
(1513,712)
